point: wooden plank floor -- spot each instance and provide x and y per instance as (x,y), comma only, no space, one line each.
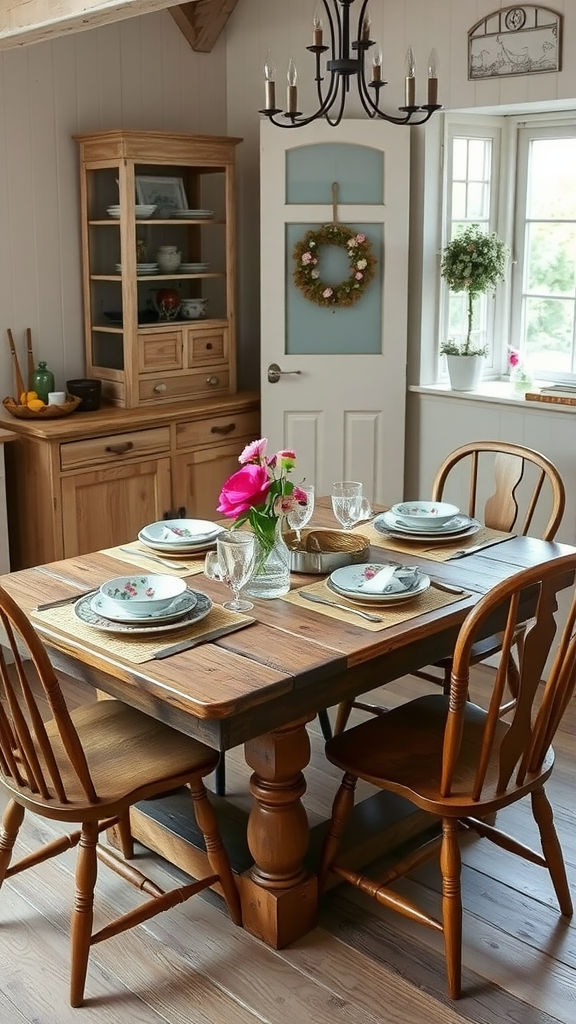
(362,965)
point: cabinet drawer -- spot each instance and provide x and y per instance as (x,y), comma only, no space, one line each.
(208,345)
(244,425)
(96,450)
(157,352)
(184,385)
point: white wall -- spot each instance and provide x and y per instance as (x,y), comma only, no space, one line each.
(139,73)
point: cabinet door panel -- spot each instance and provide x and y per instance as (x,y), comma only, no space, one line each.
(109,506)
(198,479)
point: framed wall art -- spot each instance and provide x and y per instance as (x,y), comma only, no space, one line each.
(522,40)
(167,194)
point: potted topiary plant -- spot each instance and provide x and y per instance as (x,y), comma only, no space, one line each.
(473,261)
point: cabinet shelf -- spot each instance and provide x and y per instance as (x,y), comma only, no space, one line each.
(110,163)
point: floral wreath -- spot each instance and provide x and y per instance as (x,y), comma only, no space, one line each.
(307,276)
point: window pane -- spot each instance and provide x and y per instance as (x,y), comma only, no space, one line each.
(549,332)
(552,174)
(477,163)
(477,201)
(551,259)
(459,158)
(459,200)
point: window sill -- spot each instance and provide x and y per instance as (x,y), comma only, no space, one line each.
(498,391)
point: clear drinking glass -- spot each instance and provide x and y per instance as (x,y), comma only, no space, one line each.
(348,504)
(233,563)
(302,514)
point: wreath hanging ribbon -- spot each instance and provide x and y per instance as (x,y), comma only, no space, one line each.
(360,257)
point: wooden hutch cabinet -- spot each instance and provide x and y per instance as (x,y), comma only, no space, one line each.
(93,480)
(142,355)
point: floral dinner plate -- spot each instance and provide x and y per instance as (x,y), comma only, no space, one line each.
(461,526)
(84,611)
(349,581)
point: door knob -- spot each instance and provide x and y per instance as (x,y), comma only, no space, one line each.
(274,373)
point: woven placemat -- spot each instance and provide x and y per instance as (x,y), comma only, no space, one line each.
(438,552)
(136,649)
(137,554)
(391,615)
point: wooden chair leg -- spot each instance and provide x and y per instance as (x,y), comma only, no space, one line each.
(11,821)
(83,913)
(125,836)
(220,776)
(342,716)
(451,867)
(341,810)
(544,818)
(325,725)
(217,856)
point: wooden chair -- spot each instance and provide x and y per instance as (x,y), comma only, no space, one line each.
(462,763)
(528,494)
(89,766)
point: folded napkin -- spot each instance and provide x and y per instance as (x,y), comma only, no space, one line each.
(391,579)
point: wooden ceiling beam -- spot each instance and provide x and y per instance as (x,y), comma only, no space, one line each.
(203,21)
(34,21)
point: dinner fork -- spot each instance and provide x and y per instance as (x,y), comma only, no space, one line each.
(342,607)
(153,558)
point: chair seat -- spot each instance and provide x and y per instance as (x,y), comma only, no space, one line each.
(402,751)
(113,735)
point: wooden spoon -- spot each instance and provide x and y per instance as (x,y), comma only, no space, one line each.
(19,381)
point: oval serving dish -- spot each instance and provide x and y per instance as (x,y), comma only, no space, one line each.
(323,551)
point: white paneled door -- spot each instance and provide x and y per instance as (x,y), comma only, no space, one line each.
(334,380)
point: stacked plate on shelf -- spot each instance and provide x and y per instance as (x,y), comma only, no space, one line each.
(425,520)
(194,268)
(142,210)
(374,583)
(141,268)
(179,536)
(192,214)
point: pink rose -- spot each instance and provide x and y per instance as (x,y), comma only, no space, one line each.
(300,496)
(283,504)
(358,275)
(254,452)
(514,358)
(360,238)
(327,293)
(306,258)
(244,489)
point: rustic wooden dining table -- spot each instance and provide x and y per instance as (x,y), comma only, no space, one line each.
(261,685)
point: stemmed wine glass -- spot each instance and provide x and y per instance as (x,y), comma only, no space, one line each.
(233,563)
(348,504)
(302,514)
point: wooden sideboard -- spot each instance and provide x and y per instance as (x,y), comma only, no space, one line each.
(92,480)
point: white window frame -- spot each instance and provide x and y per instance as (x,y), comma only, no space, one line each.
(479,127)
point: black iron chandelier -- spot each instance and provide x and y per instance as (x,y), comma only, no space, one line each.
(346,62)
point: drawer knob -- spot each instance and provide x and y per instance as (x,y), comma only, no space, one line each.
(159,388)
(120,449)
(213,382)
(226,429)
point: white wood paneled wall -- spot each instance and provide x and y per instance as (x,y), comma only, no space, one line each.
(139,73)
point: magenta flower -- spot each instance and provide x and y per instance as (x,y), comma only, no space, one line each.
(244,489)
(514,358)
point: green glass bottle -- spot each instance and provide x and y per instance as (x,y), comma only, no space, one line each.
(42,381)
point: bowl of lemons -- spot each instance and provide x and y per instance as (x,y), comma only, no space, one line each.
(30,406)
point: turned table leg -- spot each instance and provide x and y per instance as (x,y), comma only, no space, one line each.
(279,899)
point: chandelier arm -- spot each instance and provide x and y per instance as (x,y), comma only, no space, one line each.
(336,121)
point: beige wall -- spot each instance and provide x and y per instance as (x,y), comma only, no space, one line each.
(141,73)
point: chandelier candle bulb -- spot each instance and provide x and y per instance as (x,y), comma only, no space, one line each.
(410,91)
(292,92)
(377,67)
(365,31)
(317,35)
(270,85)
(433,78)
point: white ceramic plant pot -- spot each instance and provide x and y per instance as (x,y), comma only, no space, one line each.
(465,372)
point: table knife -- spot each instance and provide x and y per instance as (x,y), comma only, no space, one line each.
(477,547)
(195,641)
(71,599)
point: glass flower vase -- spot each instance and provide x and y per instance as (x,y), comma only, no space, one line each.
(271,576)
(520,379)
